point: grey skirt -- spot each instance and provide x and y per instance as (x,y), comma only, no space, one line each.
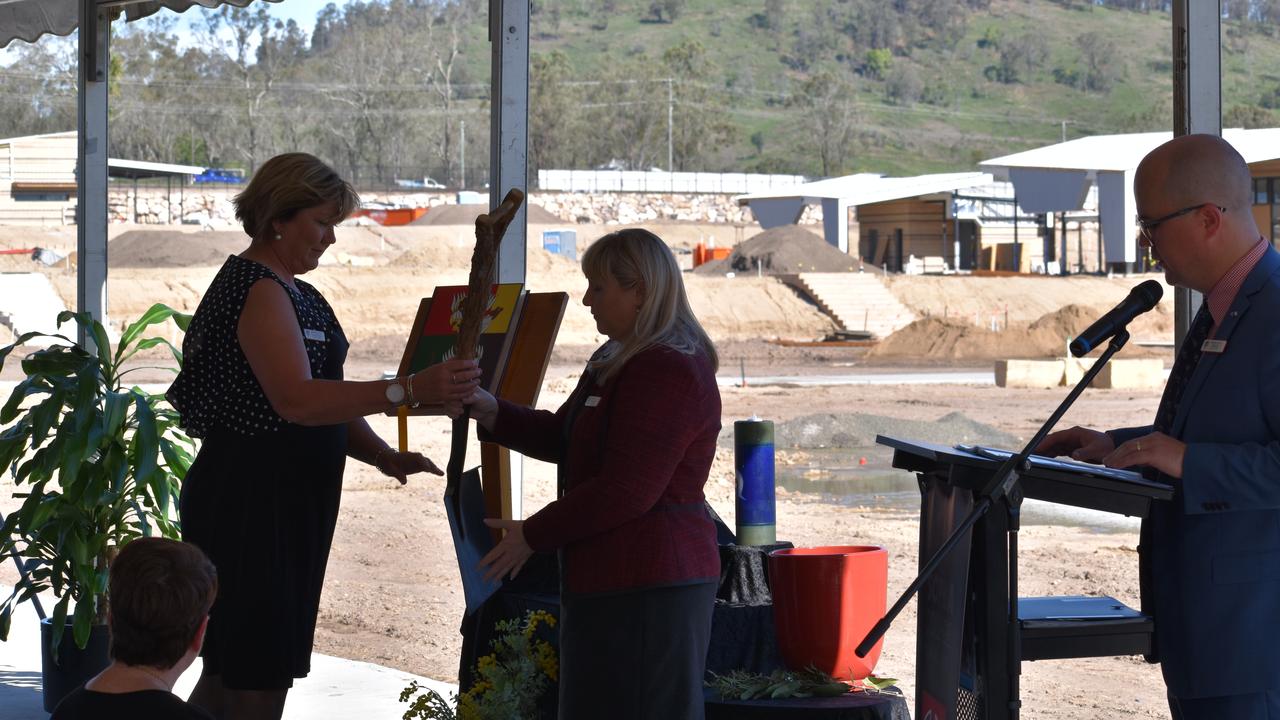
(635,655)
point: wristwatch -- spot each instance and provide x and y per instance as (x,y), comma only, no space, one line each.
(395,393)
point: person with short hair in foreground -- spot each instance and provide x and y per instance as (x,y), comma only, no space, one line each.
(160,593)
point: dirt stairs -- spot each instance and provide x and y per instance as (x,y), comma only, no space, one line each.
(858,301)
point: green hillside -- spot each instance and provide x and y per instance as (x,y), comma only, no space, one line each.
(998,79)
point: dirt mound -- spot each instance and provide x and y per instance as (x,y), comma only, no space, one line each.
(782,251)
(1052,331)
(859,430)
(1047,336)
(937,338)
(434,256)
(466,215)
(173,248)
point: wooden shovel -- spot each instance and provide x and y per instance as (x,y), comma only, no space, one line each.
(490,228)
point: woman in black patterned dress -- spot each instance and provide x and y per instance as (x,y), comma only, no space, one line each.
(262,386)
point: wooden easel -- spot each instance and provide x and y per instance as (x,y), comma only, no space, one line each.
(520,382)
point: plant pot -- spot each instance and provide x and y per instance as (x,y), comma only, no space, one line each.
(74,666)
(825,599)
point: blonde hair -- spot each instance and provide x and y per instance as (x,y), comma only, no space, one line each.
(286,184)
(637,258)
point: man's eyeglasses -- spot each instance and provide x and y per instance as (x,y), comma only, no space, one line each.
(1146,228)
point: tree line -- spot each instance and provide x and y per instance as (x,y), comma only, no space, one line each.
(391,90)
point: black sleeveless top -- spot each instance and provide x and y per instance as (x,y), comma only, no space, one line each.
(216,389)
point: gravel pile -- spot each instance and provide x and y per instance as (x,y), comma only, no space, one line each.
(784,250)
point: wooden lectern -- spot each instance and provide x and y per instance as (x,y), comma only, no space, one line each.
(973,631)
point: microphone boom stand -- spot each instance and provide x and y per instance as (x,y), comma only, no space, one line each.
(1003,483)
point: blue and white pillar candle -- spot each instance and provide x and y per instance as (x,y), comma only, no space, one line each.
(754,505)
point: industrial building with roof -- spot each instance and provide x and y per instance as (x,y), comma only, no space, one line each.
(38,178)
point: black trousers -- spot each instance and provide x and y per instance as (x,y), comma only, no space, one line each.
(636,655)
(1263,705)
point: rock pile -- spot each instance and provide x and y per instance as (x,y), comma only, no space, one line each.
(784,250)
(212,207)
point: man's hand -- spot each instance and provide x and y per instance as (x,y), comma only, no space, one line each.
(1078,442)
(1156,450)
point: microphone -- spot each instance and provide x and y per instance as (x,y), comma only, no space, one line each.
(1141,298)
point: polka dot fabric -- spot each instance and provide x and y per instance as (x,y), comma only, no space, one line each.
(216,389)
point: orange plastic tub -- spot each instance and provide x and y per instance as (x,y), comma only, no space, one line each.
(825,599)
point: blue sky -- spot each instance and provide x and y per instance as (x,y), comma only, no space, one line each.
(302,12)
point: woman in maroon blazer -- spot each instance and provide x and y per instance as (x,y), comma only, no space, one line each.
(634,444)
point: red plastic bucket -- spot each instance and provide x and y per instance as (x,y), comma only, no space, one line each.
(825,599)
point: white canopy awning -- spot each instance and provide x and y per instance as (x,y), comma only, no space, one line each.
(29,19)
(785,205)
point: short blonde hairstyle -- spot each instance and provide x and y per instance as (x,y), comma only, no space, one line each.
(286,184)
(637,258)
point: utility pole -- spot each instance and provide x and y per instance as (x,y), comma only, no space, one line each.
(671,106)
(462,153)
(1064,131)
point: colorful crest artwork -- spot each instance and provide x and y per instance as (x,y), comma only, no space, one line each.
(434,339)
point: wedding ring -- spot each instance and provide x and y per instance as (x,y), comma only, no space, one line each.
(1138,444)
(453,378)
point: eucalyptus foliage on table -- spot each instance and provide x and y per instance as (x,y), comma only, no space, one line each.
(508,682)
(95,462)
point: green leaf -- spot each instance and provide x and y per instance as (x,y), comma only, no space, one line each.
(57,361)
(785,689)
(102,347)
(176,458)
(25,387)
(152,342)
(43,416)
(832,689)
(58,624)
(22,340)
(157,313)
(83,621)
(879,683)
(114,411)
(146,437)
(13,442)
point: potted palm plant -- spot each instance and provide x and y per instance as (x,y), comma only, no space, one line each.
(94,462)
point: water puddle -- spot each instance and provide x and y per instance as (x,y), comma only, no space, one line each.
(864,477)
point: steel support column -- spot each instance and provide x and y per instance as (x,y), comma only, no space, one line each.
(1197,102)
(508,168)
(91,172)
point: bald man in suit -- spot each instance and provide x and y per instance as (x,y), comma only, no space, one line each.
(1211,556)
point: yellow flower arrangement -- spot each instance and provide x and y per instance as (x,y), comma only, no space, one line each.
(508,681)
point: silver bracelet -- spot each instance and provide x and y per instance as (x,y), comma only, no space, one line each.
(377,459)
(408,382)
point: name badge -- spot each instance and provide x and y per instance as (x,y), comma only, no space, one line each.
(310,334)
(1214,346)
(592,400)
